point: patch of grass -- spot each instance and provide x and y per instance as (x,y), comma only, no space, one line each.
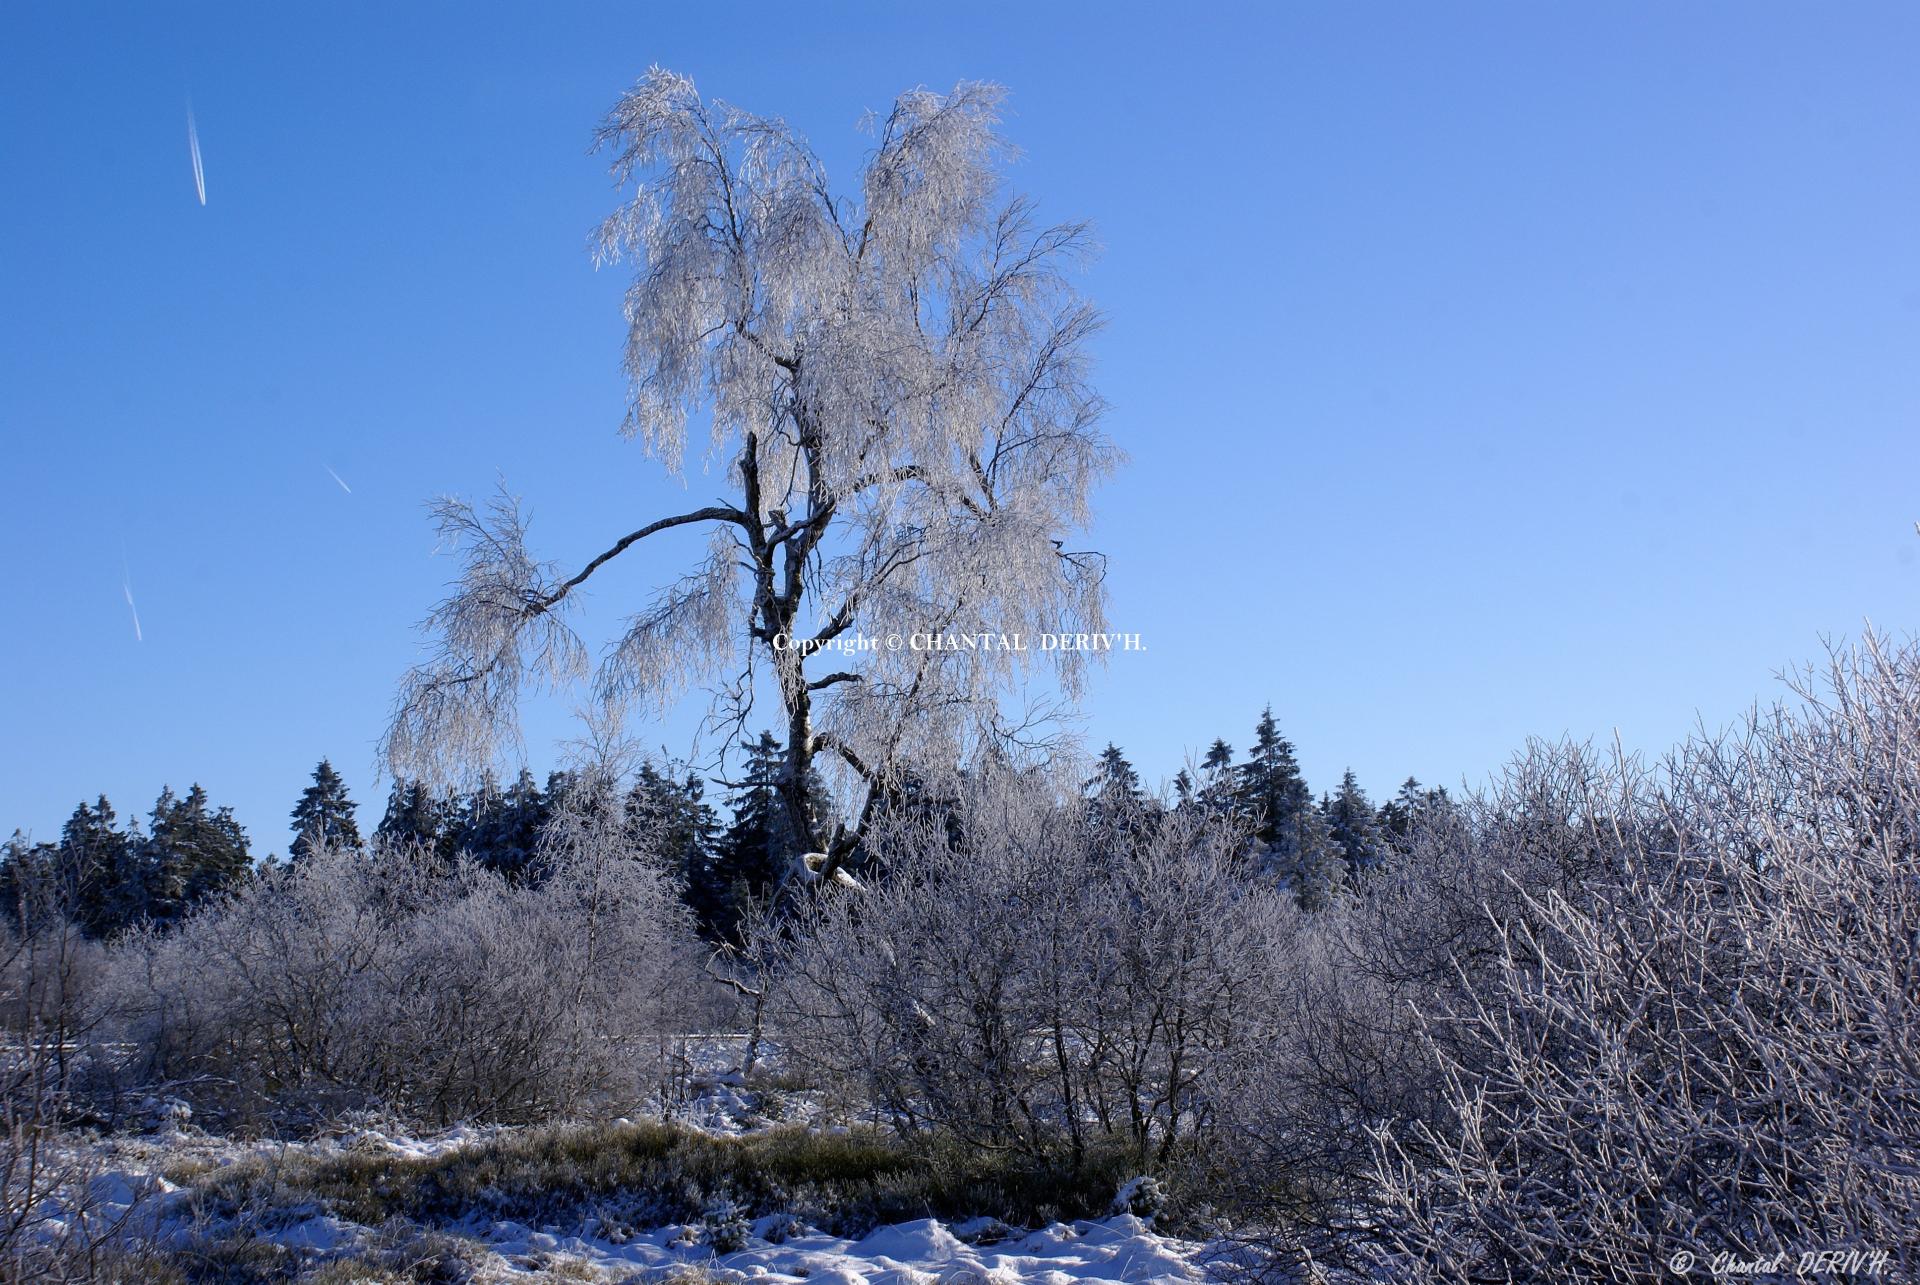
(351,1271)
(558,1268)
(229,1259)
(181,1170)
(396,1255)
(649,1173)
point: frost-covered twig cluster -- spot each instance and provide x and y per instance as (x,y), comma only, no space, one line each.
(356,981)
(1035,976)
(1713,1046)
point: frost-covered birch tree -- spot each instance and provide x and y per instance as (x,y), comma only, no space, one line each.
(893,385)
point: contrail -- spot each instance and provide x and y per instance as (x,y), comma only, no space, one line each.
(126,587)
(336,477)
(193,147)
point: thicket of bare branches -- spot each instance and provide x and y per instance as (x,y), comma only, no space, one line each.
(1423,930)
(1598,1013)
(1714,1045)
(1033,977)
(52,1228)
(353,981)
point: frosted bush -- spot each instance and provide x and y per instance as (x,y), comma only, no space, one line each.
(1713,1048)
(351,981)
(1025,978)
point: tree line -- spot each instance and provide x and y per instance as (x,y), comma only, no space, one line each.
(108,876)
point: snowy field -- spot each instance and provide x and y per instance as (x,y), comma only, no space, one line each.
(132,1195)
(983,1251)
(1121,1248)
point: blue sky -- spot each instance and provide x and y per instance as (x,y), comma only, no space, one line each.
(1487,371)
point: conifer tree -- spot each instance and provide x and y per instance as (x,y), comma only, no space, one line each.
(1293,841)
(196,853)
(1356,830)
(1411,804)
(469,819)
(1396,814)
(28,879)
(679,827)
(1217,792)
(1270,786)
(99,876)
(499,829)
(514,837)
(415,818)
(749,859)
(324,814)
(1115,783)
(1307,858)
(1116,803)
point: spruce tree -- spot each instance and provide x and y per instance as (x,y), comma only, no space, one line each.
(1270,786)
(101,875)
(196,853)
(499,829)
(1356,830)
(415,818)
(912,799)
(38,886)
(513,840)
(1414,803)
(1307,859)
(750,860)
(1114,785)
(324,815)
(27,873)
(1217,792)
(470,818)
(1293,841)
(1396,814)
(672,819)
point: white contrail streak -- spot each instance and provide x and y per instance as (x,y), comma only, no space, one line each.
(336,477)
(193,147)
(127,589)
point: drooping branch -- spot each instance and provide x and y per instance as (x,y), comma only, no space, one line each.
(712,513)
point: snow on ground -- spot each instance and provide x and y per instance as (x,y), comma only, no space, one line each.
(772,1250)
(712,1095)
(926,1252)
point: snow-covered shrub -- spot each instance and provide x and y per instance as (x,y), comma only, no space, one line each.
(350,980)
(1349,1052)
(1143,1196)
(52,1216)
(1030,975)
(725,1226)
(778,1229)
(1712,1046)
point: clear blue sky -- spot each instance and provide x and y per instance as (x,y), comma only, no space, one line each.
(1487,370)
